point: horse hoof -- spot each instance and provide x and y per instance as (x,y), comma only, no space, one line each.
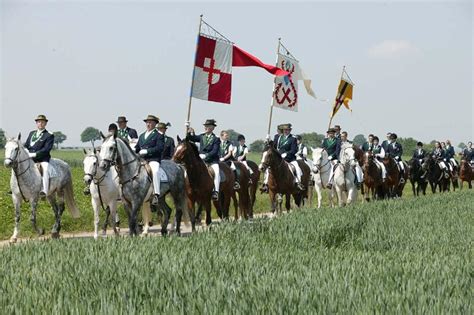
(55,235)
(13,240)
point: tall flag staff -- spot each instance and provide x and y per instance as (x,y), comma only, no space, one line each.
(213,62)
(344,94)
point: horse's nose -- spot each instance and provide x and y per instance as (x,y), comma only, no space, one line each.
(7,163)
(103,165)
(87,179)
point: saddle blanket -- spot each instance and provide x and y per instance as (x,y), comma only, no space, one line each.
(51,170)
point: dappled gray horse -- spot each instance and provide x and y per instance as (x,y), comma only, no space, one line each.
(26,185)
(136,183)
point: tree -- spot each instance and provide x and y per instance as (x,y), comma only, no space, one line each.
(461,145)
(3,139)
(59,137)
(233,135)
(408,144)
(359,140)
(257,146)
(90,134)
(312,139)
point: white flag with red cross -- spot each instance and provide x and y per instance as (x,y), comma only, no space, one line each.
(212,78)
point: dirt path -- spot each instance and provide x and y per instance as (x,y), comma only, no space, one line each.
(154,231)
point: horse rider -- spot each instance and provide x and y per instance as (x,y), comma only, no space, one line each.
(369,144)
(439,155)
(419,154)
(468,153)
(113,129)
(450,153)
(124,131)
(39,145)
(302,153)
(240,153)
(209,145)
(332,145)
(276,137)
(379,153)
(337,129)
(357,168)
(386,142)
(395,151)
(287,148)
(226,155)
(150,147)
(168,149)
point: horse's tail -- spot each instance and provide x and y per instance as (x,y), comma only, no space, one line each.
(69,198)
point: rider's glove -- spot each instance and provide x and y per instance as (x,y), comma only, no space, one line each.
(284,155)
(202,156)
(143,152)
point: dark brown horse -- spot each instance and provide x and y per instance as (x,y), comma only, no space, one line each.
(417,176)
(200,183)
(372,177)
(393,183)
(466,173)
(255,177)
(243,202)
(436,176)
(281,180)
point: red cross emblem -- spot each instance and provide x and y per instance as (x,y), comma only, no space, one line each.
(213,73)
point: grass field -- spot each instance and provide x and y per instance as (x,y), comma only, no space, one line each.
(85,223)
(397,256)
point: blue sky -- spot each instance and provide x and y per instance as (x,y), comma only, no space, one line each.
(83,63)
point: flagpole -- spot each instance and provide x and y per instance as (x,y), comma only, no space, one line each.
(188,117)
(273,91)
(332,115)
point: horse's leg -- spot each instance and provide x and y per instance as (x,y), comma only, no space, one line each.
(280,203)
(146,213)
(272,197)
(115,219)
(17,203)
(33,206)
(236,206)
(95,206)
(319,193)
(288,202)
(57,216)
(167,213)
(208,212)
(179,200)
(106,221)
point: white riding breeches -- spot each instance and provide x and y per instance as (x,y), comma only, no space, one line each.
(382,167)
(331,170)
(359,173)
(248,168)
(442,165)
(401,166)
(45,178)
(155,172)
(299,172)
(232,166)
(217,176)
(454,162)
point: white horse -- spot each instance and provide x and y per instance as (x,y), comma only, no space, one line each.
(104,189)
(26,185)
(321,169)
(344,176)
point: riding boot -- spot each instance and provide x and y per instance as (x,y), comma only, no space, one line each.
(264,188)
(155,200)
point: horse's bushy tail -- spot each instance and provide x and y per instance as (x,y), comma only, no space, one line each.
(69,198)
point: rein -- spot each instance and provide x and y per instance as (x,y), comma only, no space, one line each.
(15,165)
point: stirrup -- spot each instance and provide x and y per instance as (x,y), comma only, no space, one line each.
(155,200)
(236,186)
(300,186)
(329,186)
(42,195)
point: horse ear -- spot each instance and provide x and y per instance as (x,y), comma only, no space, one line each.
(95,151)
(102,135)
(178,138)
(19,136)
(85,152)
(115,135)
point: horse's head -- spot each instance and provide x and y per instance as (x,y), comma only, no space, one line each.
(348,156)
(320,158)
(13,149)
(108,151)
(367,158)
(269,156)
(91,165)
(185,152)
(427,162)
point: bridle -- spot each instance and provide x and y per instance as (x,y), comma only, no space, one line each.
(112,161)
(266,163)
(15,163)
(93,175)
(318,165)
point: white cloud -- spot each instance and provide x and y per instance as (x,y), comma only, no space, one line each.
(393,48)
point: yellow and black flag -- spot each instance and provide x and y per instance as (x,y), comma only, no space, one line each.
(344,93)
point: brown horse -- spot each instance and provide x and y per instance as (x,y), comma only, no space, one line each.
(393,185)
(243,202)
(466,173)
(200,182)
(255,177)
(372,177)
(281,180)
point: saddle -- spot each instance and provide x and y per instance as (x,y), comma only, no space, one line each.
(161,173)
(221,173)
(51,170)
